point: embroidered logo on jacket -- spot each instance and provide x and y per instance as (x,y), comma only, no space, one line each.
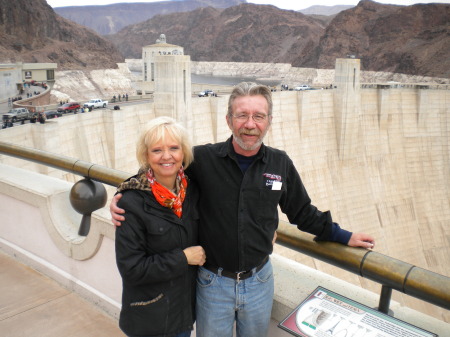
(273,180)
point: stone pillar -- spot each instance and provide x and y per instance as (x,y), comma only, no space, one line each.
(169,70)
(172,96)
(347,105)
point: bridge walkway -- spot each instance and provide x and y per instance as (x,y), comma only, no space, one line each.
(31,304)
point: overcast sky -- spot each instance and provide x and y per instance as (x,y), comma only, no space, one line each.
(284,4)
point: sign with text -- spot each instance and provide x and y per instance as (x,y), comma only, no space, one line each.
(327,314)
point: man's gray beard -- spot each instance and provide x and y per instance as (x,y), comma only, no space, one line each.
(246,147)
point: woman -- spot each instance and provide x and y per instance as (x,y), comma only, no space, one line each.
(156,252)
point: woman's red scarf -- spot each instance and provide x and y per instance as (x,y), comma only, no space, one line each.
(166,197)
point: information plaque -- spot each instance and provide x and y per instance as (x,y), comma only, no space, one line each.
(327,314)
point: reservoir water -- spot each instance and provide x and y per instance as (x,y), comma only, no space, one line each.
(224,80)
(230,80)
(220,80)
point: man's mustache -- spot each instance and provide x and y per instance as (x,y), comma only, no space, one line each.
(250,132)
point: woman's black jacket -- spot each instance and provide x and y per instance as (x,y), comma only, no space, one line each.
(158,297)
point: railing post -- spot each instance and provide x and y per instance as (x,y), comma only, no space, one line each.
(385,299)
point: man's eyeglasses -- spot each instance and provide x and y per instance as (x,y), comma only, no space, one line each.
(257,118)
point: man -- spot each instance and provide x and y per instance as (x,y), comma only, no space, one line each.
(242,182)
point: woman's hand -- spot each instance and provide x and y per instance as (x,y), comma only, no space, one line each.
(195,255)
(116,211)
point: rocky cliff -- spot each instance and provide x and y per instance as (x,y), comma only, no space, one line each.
(244,33)
(412,40)
(403,39)
(30,31)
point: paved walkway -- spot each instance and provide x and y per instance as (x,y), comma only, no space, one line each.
(32,305)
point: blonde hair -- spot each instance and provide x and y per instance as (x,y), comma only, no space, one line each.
(157,130)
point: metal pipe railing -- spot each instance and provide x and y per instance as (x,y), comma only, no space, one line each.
(95,172)
(389,272)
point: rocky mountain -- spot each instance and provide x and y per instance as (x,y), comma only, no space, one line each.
(402,39)
(413,40)
(407,39)
(30,31)
(244,33)
(109,19)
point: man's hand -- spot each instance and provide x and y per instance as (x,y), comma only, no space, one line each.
(195,255)
(116,211)
(361,240)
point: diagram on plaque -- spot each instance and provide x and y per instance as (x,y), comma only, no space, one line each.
(327,314)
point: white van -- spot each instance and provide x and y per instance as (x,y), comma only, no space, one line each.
(302,87)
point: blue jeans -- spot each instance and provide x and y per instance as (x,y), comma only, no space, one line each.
(221,301)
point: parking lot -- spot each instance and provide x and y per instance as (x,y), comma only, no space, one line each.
(50,117)
(50,114)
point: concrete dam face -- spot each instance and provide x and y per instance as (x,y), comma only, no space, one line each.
(378,158)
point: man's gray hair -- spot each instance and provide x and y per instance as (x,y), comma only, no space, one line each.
(250,89)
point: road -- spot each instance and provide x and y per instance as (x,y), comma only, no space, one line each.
(4,108)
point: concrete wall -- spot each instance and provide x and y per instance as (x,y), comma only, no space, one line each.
(39,227)
(35,103)
(395,186)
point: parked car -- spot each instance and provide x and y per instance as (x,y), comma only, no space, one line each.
(95,103)
(17,114)
(206,93)
(69,107)
(52,114)
(302,87)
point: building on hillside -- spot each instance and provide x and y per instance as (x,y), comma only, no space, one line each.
(14,77)
(39,72)
(10,81)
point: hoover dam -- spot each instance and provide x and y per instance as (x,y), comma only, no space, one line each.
(377,156)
